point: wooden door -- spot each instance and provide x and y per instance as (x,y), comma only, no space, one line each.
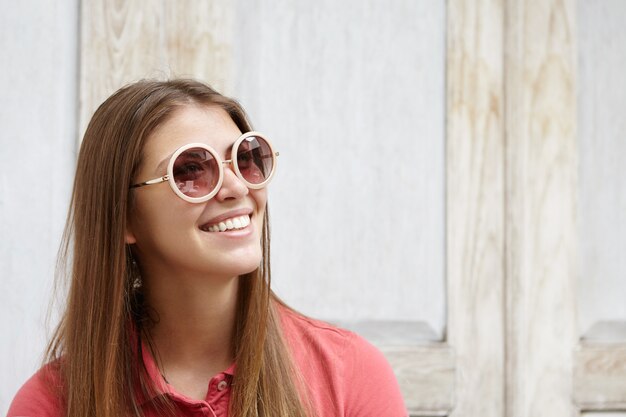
(465,114)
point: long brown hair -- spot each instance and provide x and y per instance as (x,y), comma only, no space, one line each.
(93,344)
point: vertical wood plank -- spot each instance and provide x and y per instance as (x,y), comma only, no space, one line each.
(541,161)
(199,40)
(123,42)
(475,212)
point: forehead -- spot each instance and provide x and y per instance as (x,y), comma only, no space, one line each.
(192,123)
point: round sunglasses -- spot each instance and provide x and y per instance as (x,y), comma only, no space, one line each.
(195,171)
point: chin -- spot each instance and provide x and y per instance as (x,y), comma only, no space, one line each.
(239,267)
(251,267)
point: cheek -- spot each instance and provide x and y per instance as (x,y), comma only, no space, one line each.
(260,198)
(158,216)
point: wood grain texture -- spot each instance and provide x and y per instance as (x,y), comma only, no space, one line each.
(600,376)
(541,160)
(123,42)
(426,375)
(475,208)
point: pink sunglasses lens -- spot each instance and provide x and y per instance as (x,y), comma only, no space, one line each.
(255,159)
(196,172)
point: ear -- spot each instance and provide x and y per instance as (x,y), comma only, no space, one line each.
(129,236)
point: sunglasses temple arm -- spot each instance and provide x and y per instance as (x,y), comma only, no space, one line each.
(150,182)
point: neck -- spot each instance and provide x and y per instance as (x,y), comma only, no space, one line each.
(195,323)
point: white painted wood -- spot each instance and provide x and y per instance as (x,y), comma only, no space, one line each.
(427,377)
(600,376)
(600,371)
(425,368)
(606,332)
(122,42)
(38,41)
(602,185)
(394,333)
(604,414)
(352,93)
(475,205)
(541,160)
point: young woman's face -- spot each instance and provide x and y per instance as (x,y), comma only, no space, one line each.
(171,235)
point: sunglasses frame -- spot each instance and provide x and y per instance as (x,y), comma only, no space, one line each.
(169,176)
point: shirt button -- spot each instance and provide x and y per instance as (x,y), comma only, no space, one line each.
(222,385)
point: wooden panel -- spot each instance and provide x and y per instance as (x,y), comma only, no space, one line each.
(604,414)
(426,369)
(475,205)
(123,42)
(600,377)
(426,375)
(358,115)
(541,212)
(395,333)
(606,332)
(602,184)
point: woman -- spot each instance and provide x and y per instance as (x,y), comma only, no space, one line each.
(170,310)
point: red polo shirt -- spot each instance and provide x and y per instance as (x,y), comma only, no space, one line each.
(346,376)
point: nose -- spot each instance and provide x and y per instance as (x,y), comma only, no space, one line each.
(232,186)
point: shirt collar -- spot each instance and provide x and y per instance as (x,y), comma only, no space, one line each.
(154,374)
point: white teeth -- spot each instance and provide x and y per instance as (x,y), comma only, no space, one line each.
(230,224)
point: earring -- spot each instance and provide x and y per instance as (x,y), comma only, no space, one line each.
(135,274)
(137,283)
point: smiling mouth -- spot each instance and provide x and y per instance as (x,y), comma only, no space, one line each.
(236,223)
